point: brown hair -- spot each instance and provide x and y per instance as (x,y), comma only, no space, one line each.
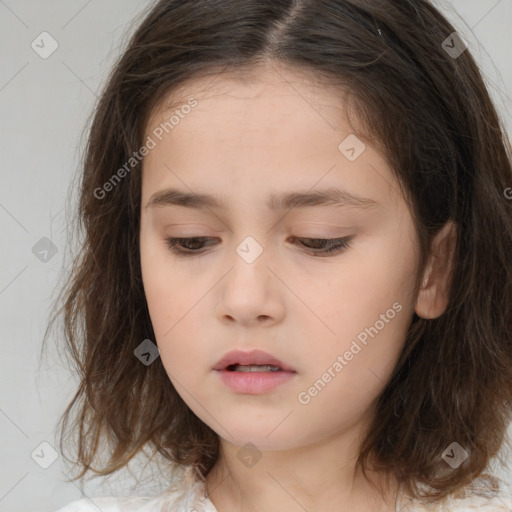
(433,119)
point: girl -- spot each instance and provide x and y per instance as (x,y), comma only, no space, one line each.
(295,280)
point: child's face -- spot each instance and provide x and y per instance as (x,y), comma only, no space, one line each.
(242,144)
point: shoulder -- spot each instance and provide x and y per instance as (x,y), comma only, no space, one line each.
(86,505)
(187,493)
(110,504)
(487,493)
(480,503)
(476,497)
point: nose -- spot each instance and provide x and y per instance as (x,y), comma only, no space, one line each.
(252,292)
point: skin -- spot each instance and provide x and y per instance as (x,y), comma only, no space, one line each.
(245,140)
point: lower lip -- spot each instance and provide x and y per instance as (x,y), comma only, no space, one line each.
(254,383)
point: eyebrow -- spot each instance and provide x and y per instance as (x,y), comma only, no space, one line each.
(287,200)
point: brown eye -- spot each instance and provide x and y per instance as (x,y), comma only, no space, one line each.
(317,246)
(326,245)
(192,245)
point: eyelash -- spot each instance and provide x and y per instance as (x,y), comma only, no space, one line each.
(337,245)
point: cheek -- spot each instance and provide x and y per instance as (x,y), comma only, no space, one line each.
(154,287)
(366,284)
(368,306)
(172,303)
(171,316)
(160,288)
(169,309)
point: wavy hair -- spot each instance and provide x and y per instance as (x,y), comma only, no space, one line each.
(432,117)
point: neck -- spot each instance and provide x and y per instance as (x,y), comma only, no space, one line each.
(309,478)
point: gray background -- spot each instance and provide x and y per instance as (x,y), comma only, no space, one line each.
(44,106)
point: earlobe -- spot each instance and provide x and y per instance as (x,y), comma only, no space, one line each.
(433,295)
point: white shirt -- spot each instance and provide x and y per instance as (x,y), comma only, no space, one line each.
(191,496)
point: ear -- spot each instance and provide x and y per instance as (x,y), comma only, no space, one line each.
(432,298)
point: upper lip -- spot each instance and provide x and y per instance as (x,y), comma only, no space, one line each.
(251,357)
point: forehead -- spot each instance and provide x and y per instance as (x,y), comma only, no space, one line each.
(265,128)
(263,84)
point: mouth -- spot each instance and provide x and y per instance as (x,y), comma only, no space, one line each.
(253,368)
(253,361)
(253,373)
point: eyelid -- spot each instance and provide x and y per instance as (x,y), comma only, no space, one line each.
(337,245)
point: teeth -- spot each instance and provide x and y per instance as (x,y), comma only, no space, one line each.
(256,368)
